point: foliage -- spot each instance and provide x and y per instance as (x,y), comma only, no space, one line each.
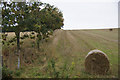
(36,16)
(63,72)
(6,73)
(17,73)
(46,20)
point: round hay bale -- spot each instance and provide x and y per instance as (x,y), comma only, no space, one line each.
(97,62)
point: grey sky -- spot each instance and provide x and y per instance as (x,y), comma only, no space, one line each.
(88,14)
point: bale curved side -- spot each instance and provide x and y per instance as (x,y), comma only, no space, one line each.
(97,62)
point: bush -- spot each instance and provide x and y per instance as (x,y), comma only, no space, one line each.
(18,72)
(6,73)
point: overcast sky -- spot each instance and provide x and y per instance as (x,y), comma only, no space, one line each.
(88,14)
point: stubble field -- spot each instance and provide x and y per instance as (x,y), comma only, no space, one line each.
(66,50)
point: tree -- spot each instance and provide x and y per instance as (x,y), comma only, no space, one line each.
(46,20)
(14,15)
(21,16)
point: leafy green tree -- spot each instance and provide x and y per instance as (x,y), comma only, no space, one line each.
(36,16)
(13,15)
(15,19)
(46,20)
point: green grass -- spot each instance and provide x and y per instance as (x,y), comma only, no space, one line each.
(67,50)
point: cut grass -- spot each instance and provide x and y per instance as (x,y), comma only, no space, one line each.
(67,47)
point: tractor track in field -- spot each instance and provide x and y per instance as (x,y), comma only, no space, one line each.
(57,36)
(100,36)
(72,39)
(82,40)
(78,40)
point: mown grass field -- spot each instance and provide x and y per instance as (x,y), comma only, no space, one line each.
(67,49)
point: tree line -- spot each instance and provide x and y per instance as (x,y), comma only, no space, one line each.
(25,16)
(39,17)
